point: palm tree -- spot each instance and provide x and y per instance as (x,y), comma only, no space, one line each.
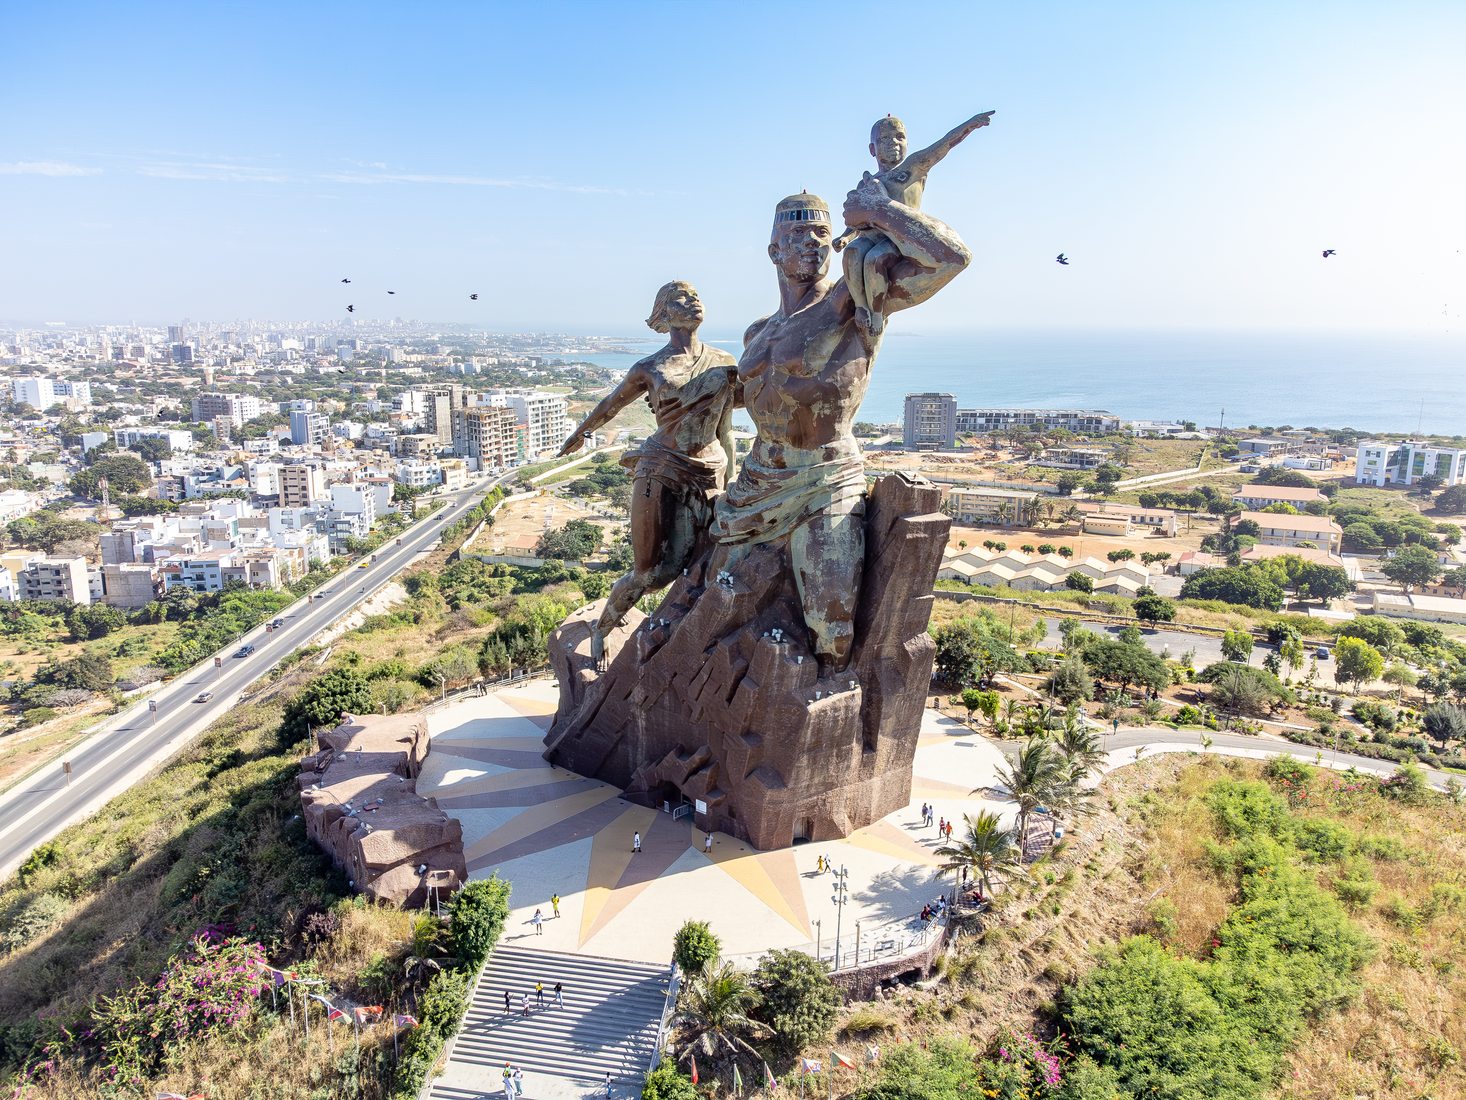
(986,849)
(712,1016)
(1080,748)
(1072,515)
(1036,776)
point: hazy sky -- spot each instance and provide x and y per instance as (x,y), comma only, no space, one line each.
(564,159)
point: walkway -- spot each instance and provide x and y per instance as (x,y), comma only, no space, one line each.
(608,1023)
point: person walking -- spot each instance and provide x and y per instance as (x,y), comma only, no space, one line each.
(608,1085)
(635,842)
(559,995)
(507,1007)
(538,920)
(925,810)
(555,905)
(539,994)
(707,843)
(524,1005)
(819,865)
(941,826)
(508,1076)
(949,832)
(518,1082)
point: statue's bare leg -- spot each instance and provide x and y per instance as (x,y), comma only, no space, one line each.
(853,262)
(878,260)
(664,528)
(828,556)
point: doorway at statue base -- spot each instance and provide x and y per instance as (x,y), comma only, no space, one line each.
(715,701)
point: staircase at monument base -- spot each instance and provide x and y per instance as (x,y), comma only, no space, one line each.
(610,1023)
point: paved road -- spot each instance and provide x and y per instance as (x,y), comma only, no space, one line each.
(1172,643)
(136,741)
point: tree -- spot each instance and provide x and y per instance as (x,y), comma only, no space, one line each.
(1120,555)
(88,621)
(125,473)
(1379,632)
(795,998)
(1070,682)
(1154,609)
(1079,582)
(476,916)
(1243,689)
(694,947)
(1357,662)
(1124,665)
(1080,748)
(88,672)
(1035,776)
(985,849)
(972,649)
(714,1015)
(1106,475)
(1451,501)
(1280,508)
(1065,552)
(1067,482)
(1234,584)
(974,700)
(324,700)
(1411,566)
(1444,723)
(1322,582)
(575,541)
(1237,645)
(1360,538)
(151,448)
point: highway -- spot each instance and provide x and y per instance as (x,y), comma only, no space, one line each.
(136,741)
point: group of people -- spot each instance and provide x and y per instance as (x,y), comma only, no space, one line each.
(538,920)
(539,998)
(823,864)
(929,817)
(934,910)
(513,1080)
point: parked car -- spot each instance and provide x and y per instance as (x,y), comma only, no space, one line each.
(245,651)
(1321,653)
(204,697)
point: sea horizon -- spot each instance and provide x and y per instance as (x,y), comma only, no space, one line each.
(1384,381)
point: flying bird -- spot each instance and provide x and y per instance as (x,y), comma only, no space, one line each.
(1327,252)
(391,292)
(473,297)
(346,280)
(1063,259)
(350,309)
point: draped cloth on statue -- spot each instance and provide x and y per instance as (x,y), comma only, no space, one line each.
(693,410)
(765,503)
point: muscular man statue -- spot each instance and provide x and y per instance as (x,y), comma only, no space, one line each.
(804,373)
(691,388)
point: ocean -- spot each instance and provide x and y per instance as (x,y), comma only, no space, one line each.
(1395,383)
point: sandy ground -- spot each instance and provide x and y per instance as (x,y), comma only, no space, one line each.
(1084,545)
(383,599)
(519,524)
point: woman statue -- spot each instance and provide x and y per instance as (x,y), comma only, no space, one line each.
(692,390)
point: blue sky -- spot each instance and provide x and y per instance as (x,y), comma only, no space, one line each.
(564,159)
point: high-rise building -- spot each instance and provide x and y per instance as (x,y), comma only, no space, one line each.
(301,485)
(931,422)
(486,433)
(309,429)
(240,408)
(38,393)
(545,417)
(439,404)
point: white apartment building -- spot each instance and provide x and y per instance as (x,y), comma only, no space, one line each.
(545,416)
(986,507)
(178,441)
(1083,421)
(55,579)
(1282,530)
(1406,462)
(238,408)
(418,475)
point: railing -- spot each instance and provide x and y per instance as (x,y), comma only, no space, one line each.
(674,982)
(886,942)
(480,688)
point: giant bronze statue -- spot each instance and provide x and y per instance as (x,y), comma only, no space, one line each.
(690,387)
(778,687)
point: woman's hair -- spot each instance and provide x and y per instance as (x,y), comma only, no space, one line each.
(657,322)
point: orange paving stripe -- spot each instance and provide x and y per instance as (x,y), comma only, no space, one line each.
(940,788)
(513,744)
(534,818)
(610,855)
(530,706)
(772,877)
(889,840)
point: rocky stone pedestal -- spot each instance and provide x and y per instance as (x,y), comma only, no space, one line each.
(717,696)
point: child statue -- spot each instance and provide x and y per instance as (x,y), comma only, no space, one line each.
(868,252)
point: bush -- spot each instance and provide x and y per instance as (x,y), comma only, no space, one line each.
(30,918)
(694,947)
(796,999)
(476,919)
(323,701)
(667,1083)
(438,1014)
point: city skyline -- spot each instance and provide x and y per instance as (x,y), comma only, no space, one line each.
(1191,165)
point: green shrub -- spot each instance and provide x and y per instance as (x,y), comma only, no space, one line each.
(945,1070)
(1246,809)
(796,999)
(694,947)
(438,1014)
(1355,885)
(476,916)
(667,1083)
(28,918)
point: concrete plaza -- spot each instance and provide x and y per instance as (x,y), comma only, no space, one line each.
(549,831)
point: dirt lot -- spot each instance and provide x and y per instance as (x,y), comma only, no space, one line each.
(520,523)
(1096,546)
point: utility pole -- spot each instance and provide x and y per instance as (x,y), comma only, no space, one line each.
(106,499)
(842,892)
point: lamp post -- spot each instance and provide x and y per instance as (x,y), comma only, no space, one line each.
(818,939)
(842,891)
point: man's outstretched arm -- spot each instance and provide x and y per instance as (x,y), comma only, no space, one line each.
(931,252)
(923,161)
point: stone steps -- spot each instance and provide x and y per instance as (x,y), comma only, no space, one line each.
(609,1023)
